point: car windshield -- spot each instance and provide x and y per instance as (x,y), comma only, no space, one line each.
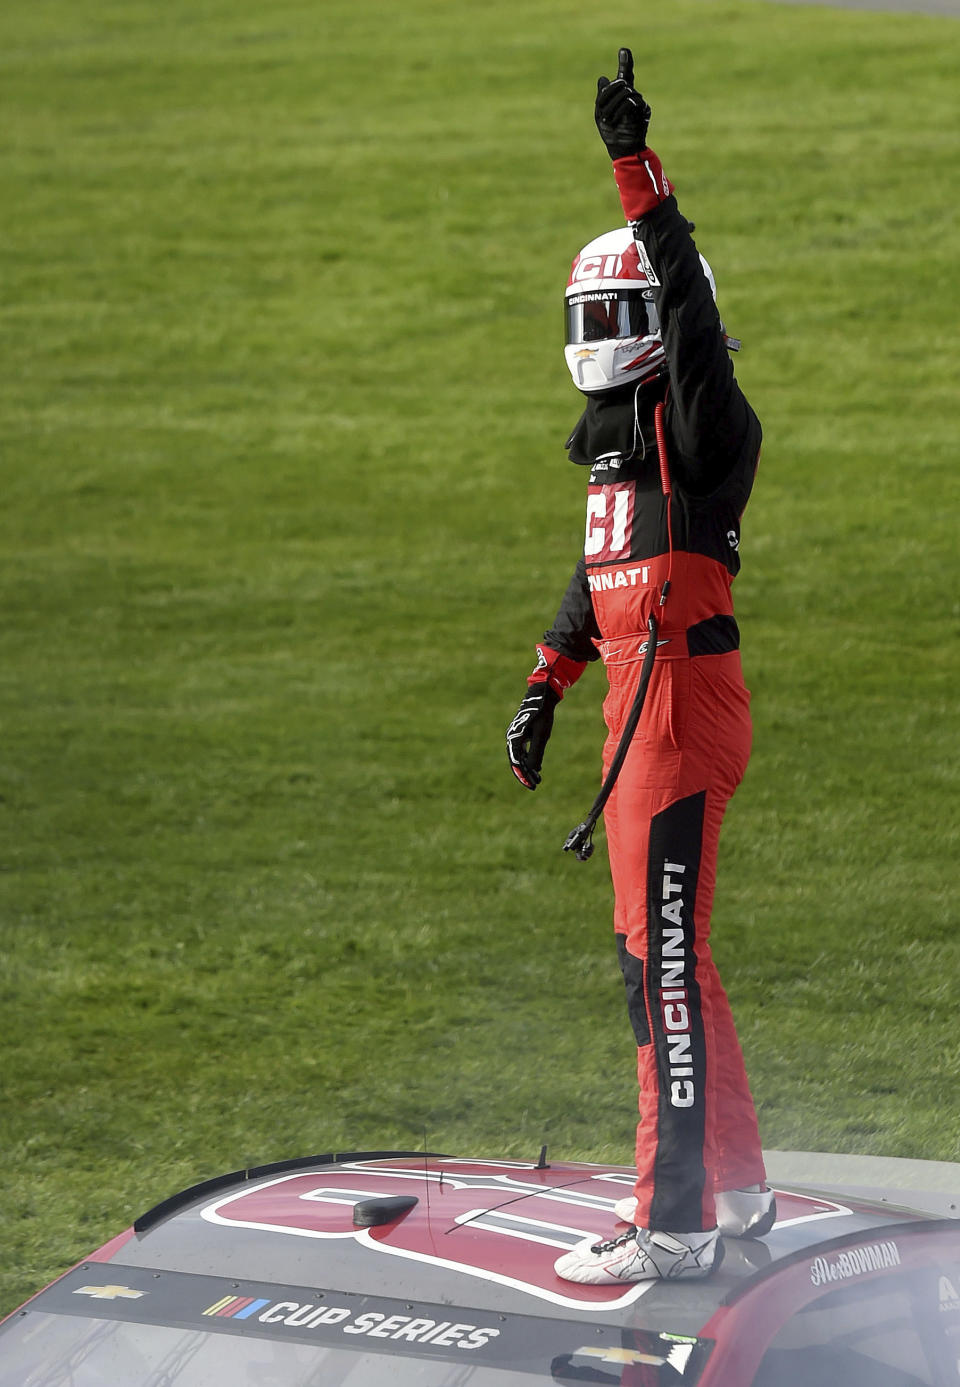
(62,1351)
(132,1327)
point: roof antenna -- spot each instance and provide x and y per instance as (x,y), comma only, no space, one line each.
(542,1162)
(426,1172)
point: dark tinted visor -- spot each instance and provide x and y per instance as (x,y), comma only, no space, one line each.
(598,314)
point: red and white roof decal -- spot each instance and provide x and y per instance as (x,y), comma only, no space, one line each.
(501,1222)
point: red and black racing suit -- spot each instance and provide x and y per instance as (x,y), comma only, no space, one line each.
(697,1132)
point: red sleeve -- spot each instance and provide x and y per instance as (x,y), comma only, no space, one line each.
(557,670)
(641,182)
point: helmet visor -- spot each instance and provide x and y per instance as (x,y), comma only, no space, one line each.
(599,314)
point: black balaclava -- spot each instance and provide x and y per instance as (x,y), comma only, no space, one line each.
(617,423)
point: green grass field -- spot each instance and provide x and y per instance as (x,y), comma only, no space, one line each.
(285,507)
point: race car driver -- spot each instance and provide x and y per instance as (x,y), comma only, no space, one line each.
(646,346)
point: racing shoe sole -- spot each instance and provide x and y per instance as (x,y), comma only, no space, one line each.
(740,1213)
(642,1255)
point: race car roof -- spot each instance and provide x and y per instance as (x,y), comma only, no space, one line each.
(432,1230)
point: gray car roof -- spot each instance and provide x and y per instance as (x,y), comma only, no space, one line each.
(187,1234)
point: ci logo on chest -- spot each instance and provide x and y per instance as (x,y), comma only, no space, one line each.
(610,510)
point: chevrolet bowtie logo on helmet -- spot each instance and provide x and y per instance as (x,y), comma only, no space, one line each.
(585,353)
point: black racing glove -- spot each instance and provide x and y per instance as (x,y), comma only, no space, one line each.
(621,113)
(529,732)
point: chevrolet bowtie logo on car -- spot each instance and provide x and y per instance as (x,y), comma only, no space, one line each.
(110,1292)
(620,1355)
(674,1354)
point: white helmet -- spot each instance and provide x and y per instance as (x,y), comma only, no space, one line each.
(613,331)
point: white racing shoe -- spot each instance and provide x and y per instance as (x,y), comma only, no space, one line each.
(747,1213)
(641,1255)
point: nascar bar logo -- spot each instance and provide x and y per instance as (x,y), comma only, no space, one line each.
(856,1261)
(235,1307)
(403,1328)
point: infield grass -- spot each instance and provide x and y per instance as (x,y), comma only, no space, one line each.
(286,506)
